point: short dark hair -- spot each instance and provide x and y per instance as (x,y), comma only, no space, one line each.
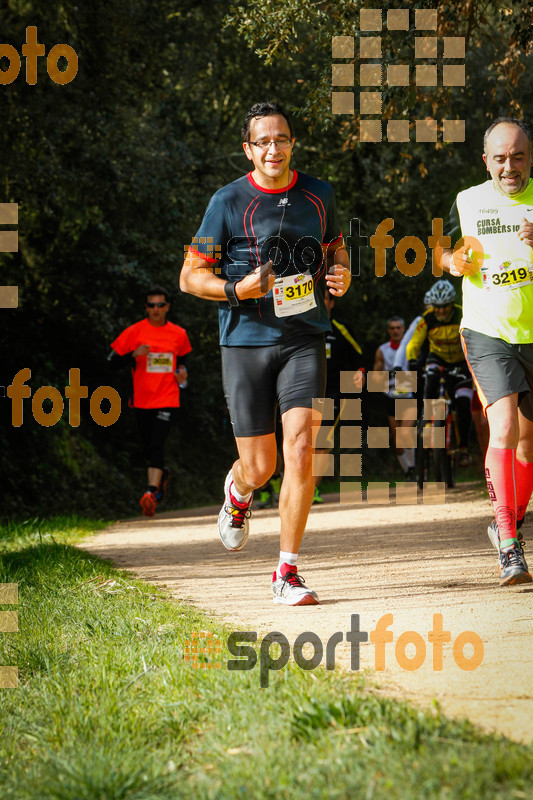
(263,110)
(507,121)
(157,290)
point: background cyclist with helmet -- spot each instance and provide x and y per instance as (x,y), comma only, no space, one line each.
(400,357)
(440,327)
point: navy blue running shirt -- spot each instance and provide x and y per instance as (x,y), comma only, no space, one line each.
(244,226)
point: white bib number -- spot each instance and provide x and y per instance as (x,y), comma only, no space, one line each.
(509,275)
(159,362)
(293,294)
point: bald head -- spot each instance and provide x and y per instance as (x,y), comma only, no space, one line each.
(519,123)
(507,155)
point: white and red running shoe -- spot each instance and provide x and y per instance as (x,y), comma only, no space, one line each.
(289,588)
(233,525)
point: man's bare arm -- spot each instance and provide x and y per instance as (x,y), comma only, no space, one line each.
(460,262)
(467,261)
(198,278)
(338,261)
(525,232)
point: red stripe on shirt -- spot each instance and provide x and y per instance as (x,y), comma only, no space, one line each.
(322,221)
(202,256)
(246,230)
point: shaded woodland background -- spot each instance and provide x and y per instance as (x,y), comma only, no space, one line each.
(112,173)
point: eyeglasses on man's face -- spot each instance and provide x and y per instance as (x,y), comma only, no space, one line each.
(281,141)
(156,305)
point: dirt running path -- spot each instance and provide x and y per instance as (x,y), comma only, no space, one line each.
(411,561)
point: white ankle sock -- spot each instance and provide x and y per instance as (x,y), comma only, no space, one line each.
(287,558)
(240,498)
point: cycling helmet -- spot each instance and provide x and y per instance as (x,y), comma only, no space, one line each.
(442,293)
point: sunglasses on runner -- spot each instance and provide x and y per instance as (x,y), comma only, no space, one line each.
(156,305)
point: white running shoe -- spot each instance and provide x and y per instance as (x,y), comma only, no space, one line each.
(233,525)
(289,588)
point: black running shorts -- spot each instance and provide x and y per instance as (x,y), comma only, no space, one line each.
(500,369)
(257,379)
(154,427)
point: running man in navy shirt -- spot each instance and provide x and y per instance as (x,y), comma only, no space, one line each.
(268,245)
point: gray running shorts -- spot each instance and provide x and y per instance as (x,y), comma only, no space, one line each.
(257,379)
(499,369)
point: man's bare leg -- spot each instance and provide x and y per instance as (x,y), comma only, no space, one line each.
(298,484)
(154,476)
(256,462)
(295,500)
(503,422)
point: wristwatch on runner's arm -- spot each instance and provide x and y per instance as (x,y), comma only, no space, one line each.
(229,289)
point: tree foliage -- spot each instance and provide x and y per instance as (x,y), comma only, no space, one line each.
(112,173)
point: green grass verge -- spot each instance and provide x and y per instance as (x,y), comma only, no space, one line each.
(108,709)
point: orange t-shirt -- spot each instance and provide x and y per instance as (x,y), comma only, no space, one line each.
(154,382)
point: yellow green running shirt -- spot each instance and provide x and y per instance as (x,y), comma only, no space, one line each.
(497,300)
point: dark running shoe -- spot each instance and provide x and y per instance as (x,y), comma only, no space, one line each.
(494,534)
(513,567)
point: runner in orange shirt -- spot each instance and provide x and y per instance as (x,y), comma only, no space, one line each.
(158,350)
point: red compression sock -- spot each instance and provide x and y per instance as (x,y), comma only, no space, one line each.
(524,486)
(500,477)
